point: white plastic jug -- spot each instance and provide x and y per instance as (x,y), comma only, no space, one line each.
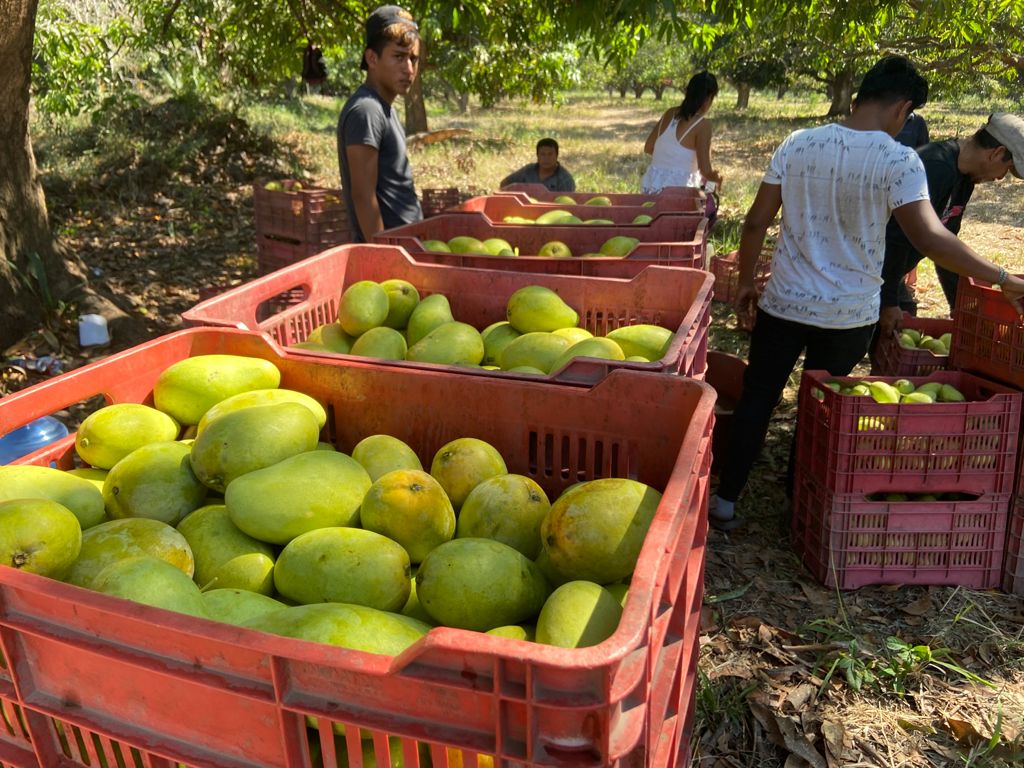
(92,330)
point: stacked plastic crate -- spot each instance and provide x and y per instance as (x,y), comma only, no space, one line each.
(904,493)
(892,358)
(988,338)
(294,221)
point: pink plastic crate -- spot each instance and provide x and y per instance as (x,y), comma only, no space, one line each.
(893,359)
(313,216)
(853,445)
(674,241)
(726,270)
(849,541)
(988,335)
(496,207)
(1013,572)
(673,196)
(179,689)
(674,298)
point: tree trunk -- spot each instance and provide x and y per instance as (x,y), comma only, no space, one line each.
(638,90)
(780,92)
(463,102)
(25,238)
(622,91)
(842,93)
(742,95)
(415,107)
(659,91)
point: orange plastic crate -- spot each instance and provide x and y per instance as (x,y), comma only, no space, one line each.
(849,541)
(496,207)
(676,241)
(437,200)
(671,196)
(206,694)
(853,445)
(1013,572)
(726,270)
(988,335)
(313,216)
(678,299)
(893,359)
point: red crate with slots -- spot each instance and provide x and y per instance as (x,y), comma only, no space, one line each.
(496,207)
(193,691)
(1013,572)
(988,335)
(677,240)
(436,200)
(850,541)
(678,299)
(313,216)
(853,445)
(891,358)
(726,270)
(670,196)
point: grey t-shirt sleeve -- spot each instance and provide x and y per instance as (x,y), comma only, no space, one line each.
(365,124)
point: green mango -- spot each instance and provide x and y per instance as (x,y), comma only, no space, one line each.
(151,581)
(188,388)
(619,245)
(39,536)
(515,632)
(225,557)
(344,565)
(449,344)
(357,627)
(595,531)
(81,496)
(382,343)
(578,614)
(538,350)
(380,454)
(154,481)
(432,311)
(263,397)
(480,584)
(599,347)
(238,606)
(496,337)
(402,300)
(410,507)
(317,489)
(362,306)
(117,540)
(650,341)
(506,508)
(243,441)
(109,434)
(466,244)
(536,308)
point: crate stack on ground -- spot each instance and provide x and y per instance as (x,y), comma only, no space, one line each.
(892,358)
(296,221)
(904,493)
(726,269)
(988,339)
(435,200)
(89,679)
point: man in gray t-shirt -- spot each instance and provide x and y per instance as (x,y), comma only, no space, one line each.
(375,171)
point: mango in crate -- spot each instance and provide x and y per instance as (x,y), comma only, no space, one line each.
(154,481)
(594,531)
(578,614)
(117,540)
(188,388)
(39,536)
(79,495)
(506,508)
(600,347)
(380,454)
(429,313)
(555,249)
(381,343)
(362,306)
(496,337)
(619,245)
(151,581)
(402,300)
(344,565)
(538,350)
(643,339)
(436,246)
(466,244)
(537,308)
(462,464)
(410,507)
(109,434)
(451,343)
(225,557)
(262,397)
(480,584)
(238,606)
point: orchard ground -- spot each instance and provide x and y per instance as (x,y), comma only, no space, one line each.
(159,206)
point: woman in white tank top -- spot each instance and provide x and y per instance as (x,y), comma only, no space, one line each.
(680,144)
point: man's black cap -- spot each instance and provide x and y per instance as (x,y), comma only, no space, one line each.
(381,19)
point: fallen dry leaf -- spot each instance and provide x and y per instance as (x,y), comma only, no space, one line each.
(834,735)
(963,732)
(800,696)
(920,607)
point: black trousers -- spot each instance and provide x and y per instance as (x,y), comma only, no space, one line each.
(775,348)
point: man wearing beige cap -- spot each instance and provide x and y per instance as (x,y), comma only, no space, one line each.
(953,168)
(375,173)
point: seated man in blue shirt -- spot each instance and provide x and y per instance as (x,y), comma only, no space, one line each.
(547,170)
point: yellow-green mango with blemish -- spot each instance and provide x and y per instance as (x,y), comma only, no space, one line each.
(538,308)
(578,614)
(263,397)
(110,433)
(432,311)
(116,540)
(507,508)
(537,350)
(362,306)
(645,340)
(79,495)
(380,454)
(39,536)
(449,344)
(226,557)
(187,389)
(382,343)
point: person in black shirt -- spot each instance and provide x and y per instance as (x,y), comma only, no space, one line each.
(953,168)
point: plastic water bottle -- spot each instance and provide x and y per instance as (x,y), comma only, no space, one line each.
(30,437)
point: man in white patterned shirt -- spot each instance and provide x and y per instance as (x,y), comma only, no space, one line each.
(836,186)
